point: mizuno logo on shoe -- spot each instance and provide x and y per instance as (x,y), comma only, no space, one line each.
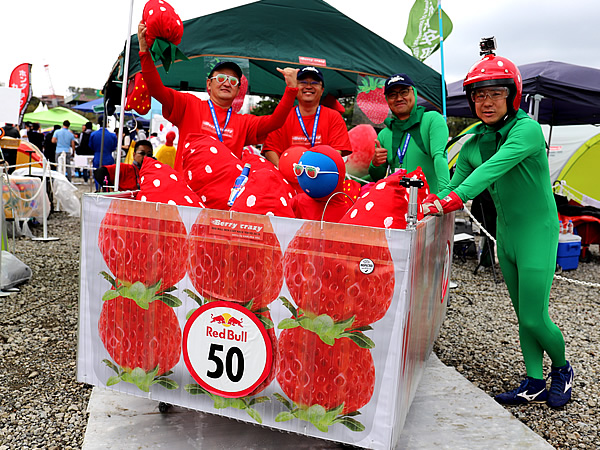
(530,397)
(569,384)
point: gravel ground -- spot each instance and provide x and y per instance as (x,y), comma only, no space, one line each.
(43,406)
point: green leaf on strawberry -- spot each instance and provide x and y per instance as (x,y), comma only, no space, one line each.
(242,403)
(320,417)
(324,326)
(140,378)
(139,293)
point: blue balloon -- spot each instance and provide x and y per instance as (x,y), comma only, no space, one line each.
(325,183)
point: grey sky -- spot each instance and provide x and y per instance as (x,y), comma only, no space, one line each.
(80,42)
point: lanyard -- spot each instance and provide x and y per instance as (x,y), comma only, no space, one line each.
(402,153)
(314,130)
(216,122)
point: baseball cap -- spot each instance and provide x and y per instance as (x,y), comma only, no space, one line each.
(227,65)
(400,79)
(312,71)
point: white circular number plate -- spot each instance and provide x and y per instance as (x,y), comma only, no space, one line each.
(226,349)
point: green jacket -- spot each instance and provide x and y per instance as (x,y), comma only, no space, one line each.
(426,148)
(511,162)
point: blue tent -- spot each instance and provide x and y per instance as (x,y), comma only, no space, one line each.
(570,94)
(89,106)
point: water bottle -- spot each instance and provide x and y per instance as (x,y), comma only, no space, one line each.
(561,228)
(240,181)
(570,227)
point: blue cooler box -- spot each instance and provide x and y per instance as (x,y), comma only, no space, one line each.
(569,247)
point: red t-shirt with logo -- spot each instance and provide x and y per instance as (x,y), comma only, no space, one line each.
(192,115)
(331,130)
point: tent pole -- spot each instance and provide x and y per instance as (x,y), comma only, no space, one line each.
(442,58)
(123,95)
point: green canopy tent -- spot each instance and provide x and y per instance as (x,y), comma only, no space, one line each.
(280,33)
(56,116)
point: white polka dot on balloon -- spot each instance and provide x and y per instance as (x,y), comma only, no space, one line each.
(187,145)
(203,198)
(173,177)
(388,221)
(238,167)
(178,22)
(143,198)
(156,183)
(251,201)
(380,186)
(283,201)
(163,9)
(171,202)
(365,194)
(269,213)
(353,213)
(150,12)
(188,199)
(192,150)
(142,179)
(369,206)
(214,150)
(208,169)
(190,174)
(158,165)
(290,195)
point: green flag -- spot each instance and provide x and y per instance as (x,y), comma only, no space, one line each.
(423,31)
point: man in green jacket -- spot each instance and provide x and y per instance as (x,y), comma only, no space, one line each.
(412,137)
(507,156)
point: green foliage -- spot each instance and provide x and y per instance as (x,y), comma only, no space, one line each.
(265,107)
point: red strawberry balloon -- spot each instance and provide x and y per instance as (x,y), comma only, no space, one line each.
(164,31)
(362,137)
(238,101)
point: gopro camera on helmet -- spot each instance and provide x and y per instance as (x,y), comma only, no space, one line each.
(487,46)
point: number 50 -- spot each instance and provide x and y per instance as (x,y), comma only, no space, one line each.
(231,353)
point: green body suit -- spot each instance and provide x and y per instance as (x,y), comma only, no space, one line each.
(511,163)
(426,147)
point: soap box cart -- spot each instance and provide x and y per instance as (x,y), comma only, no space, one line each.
(314,328)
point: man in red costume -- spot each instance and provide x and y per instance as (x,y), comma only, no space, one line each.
(309,124)
(215,117)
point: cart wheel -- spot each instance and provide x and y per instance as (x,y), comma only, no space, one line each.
(164,407)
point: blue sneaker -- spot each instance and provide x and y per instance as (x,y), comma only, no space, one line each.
(560,387)
(531,390)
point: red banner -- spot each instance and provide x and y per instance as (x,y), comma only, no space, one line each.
(20,78)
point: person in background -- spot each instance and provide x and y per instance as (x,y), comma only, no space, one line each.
(24,132)
(110,146)
(129,174)
(65,144)
(411,138)
(507,156)
(166,154)
(11,131)
(309,123)
(36,137)
(83,148)
(49,146)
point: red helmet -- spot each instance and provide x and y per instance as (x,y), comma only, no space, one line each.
(492,70)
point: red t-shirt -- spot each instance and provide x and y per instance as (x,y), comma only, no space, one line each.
(129,176)
(192,115)
(331,130)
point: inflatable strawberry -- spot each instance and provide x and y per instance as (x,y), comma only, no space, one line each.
(138,96)
(164,32)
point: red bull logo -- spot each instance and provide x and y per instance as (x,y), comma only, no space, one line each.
(227,320)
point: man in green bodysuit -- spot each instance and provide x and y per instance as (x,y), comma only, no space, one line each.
(507,155)
(412,137)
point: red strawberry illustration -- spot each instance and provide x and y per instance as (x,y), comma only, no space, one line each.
(142,335)
(238,101)
(138,96)
(327,383)
(140,243)
(371,99)
(233,267)
(323,272)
